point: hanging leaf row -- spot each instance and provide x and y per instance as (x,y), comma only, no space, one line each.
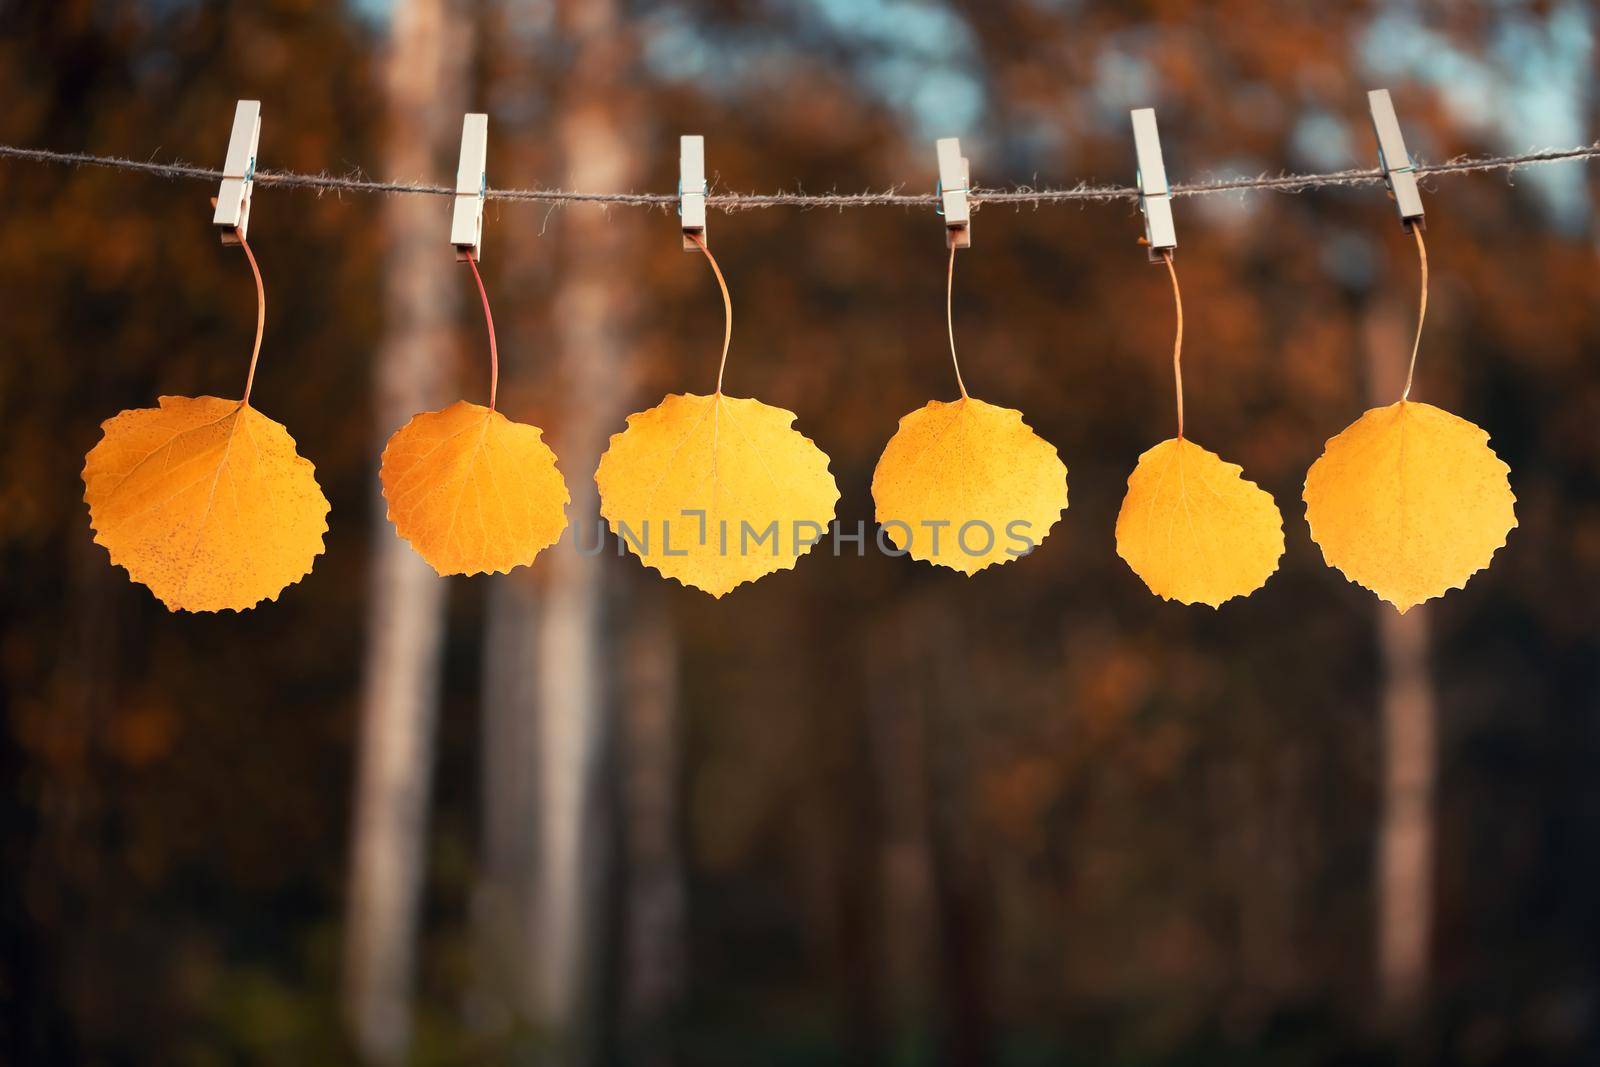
(206,502)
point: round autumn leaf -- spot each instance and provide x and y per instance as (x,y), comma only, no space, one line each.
(1194,528)
(205,502)
(715,491)
(473,491)
(967,484)
(1409,501)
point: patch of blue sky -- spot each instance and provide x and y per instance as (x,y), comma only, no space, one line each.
(378,11)
(1529,90)
(914,56)
(1321,141)
(1123,81)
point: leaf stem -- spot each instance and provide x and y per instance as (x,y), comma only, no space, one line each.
(727,307)
(1422,309)
(494,349)
(261,319)
(949,323)
(1177,343)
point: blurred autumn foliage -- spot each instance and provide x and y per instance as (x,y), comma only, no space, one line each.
(1035,816)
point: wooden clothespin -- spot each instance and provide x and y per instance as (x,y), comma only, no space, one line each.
(238,173)
(1398,168)
(472,184)
(692,187)
(1155,195)
(954,184)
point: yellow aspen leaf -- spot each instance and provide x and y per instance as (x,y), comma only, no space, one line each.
(1194,528)
(1409,501)
(715,491)
(205,501)
(473,491)
(967,484)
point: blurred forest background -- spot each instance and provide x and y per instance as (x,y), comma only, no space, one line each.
(864,811)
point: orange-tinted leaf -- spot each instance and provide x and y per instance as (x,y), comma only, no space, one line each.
(473,491)
(1409,501)
(1194,528)
(967,484)
(205,501)
(715,491)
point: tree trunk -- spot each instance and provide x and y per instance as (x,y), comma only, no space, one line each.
(959,882)
(509,804)
(1406,859)
(653,955)
(897,719)
(426,90)
(574,722)
(1405,838)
